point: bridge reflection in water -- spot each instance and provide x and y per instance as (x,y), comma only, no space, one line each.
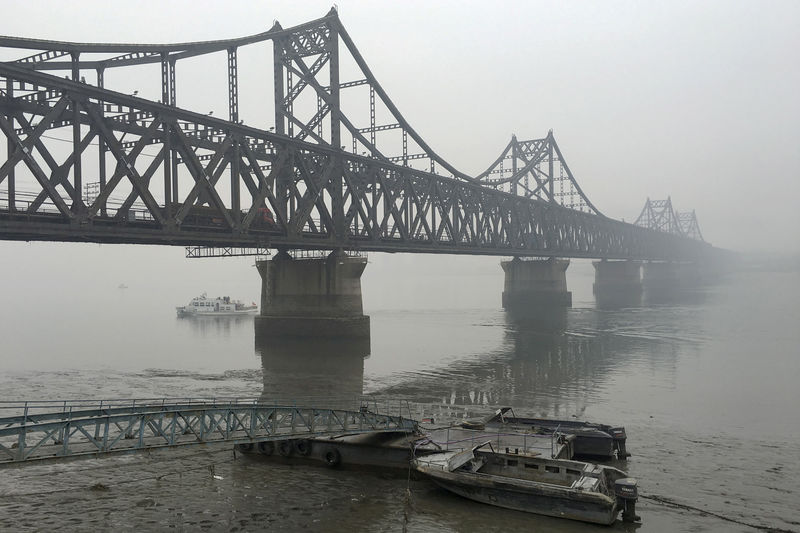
(539,359)
(312,371)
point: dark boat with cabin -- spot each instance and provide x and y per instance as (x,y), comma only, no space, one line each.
(591,440)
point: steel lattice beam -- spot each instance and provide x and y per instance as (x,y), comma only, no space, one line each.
(296,187)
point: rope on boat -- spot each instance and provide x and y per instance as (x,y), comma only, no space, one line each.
(407,507)
(666,501)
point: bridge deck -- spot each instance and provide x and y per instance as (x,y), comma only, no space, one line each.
(62,429)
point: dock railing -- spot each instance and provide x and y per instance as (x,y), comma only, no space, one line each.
(48,428)
(45,429)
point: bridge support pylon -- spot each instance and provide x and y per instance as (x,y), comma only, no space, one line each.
(617,282)
(312,296)
(672,275)
(535,283)
(661,275)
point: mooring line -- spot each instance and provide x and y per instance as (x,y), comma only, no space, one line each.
(667,501)
(103,486)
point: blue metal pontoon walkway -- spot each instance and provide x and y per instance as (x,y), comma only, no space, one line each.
(43,430)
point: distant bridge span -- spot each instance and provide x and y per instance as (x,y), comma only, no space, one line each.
(326,176)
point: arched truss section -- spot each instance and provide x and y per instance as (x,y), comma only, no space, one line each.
(537,169)
(659,215)
(689,226)
(312,102)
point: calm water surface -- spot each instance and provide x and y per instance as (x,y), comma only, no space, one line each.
(706,383)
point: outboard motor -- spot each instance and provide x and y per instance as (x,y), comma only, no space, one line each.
(619,436)
(627,492)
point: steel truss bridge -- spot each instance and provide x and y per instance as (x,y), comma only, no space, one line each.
(340,168)
(44,430)
(660,216)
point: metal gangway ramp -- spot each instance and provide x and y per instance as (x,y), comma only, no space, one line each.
(52,429)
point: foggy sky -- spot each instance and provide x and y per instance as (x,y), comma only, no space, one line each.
(697,100)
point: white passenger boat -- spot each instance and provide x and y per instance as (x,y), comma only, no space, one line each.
(223,306)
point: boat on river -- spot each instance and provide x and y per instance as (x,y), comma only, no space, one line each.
(221,306)
(553,487)
(591,440)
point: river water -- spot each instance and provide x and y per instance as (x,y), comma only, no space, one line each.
(705,382)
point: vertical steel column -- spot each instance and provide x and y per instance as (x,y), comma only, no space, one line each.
(281,188)
(289,105)
(10,147)
(405,148)
(235,182)
(165,78)
(454,218)
(373,214)
(233,86)
(372,115)
(319,111)
(172,98)
(166,94)
(277,66)
(431,196)
(513,164)
(168,134)
(336,116)
(101,146)
(407,208)
(76,137)
(233,114)
(551,176)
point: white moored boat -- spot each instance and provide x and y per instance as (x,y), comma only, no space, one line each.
(223,306)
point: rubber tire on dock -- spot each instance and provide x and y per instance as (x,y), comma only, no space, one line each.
(302,447)
(245,447)
(266,448)
(285,448)
(332,457)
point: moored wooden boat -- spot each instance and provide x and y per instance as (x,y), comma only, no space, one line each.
(552,487)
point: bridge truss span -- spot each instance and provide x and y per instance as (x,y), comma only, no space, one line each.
(88,164)
(659,215)
(537,169)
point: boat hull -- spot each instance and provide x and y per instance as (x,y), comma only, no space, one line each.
(183,313)
(543,500)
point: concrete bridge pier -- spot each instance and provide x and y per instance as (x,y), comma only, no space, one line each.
(661,275)
(670,282)
(672,275)
(617,283)
(312,297)
(535,283)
